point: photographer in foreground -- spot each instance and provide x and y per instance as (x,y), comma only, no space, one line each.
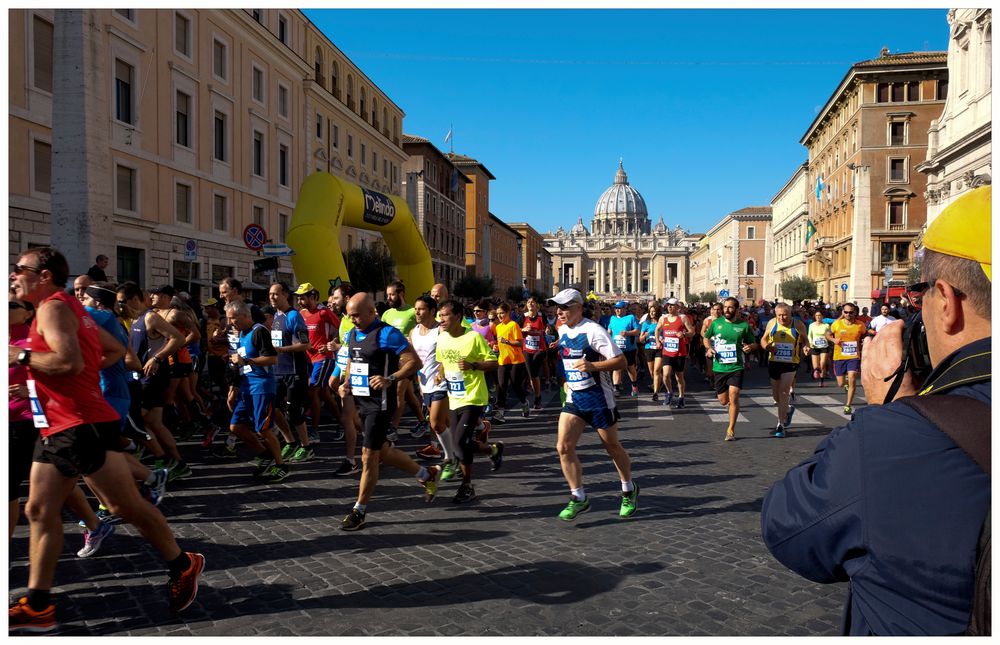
(890,502)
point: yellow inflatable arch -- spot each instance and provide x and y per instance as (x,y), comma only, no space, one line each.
(326,203)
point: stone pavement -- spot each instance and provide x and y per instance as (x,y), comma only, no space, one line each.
(690,562)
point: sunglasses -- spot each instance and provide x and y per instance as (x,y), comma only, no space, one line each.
(916,292)
(478,311)
(21,268)
(121,303)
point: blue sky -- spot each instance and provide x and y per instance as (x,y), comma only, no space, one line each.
(706,107)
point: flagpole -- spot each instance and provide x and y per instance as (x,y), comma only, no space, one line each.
(451,129)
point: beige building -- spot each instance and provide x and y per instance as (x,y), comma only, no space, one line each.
(730,259)
(504,250)
(146,129)
(477,215)
(536,261)
(959,143)
(789,219)
(866,198)
(435,190)
(622,255)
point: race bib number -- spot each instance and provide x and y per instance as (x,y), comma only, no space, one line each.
(234,342)
(37,414)
(651,343)
(620,341)
(359,379)
(577,379)
(242,351)
(725,353)
(456,384)
(534,343)
(342,357)
(783,352)
(671,344)
(247,369)
(820,343)
(849,349)
(276,338)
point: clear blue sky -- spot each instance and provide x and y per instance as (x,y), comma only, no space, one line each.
(707,107)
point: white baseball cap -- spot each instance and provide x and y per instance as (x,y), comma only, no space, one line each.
(672,301)
(565,297)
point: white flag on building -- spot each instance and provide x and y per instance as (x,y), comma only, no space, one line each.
(447,137)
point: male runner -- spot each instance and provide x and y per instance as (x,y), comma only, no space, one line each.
(462,357)
(586,349)
(322,325)
(625,329)
(350,420)
(79,436)
(424,339)
(785,340)
(674,330)
(379,358)
(535,348)
(714,313)
(290,339)
(401,316)
(727,340)
(846,333)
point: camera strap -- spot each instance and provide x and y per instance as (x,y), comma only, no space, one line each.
(897,376)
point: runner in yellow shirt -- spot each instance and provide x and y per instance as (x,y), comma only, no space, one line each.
(785,341)
(513,370)
(846,333)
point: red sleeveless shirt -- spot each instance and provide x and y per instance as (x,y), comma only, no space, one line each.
(673,343)
(71,400)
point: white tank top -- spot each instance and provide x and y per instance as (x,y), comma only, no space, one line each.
(426,348)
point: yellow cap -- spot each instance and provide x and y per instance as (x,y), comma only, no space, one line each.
(210,302)
(963,229)
(304,288)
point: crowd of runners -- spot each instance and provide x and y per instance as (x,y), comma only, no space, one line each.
(106,379)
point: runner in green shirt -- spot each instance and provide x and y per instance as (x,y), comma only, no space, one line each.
(403,317)
(726,340)
(464,356)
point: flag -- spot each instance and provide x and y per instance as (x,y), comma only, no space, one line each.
(810,231)
(447,137)
(819,187)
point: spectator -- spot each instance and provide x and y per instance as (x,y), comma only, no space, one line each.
(96,272)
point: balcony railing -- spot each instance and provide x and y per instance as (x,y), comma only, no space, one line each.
(897,227)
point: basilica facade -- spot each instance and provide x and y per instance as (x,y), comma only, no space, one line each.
(622,255)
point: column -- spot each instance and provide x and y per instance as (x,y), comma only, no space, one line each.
(860,283)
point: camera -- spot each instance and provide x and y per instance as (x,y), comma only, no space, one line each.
(916,357)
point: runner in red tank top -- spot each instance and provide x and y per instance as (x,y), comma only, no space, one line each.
(80,433)
(672,333)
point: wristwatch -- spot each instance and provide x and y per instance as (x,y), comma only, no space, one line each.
(24,357)
(392,379)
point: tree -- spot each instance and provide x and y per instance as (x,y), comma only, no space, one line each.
(473,287)
(515,294)
(798,288)
(371,268)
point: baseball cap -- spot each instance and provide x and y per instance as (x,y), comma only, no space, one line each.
(565,297)
(963,229)
(672,301)
(166,290)
(621,304)
(210,302)
(306,288)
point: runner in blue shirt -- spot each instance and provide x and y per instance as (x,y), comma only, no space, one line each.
(624,329)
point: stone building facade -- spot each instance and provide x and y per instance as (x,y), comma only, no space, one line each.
(789,220)
(730,259)
(478,257)
(146,128)
(536,260)
(621,255)
(505,246)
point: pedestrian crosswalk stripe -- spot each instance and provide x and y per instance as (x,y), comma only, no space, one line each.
(716,413)
(800,417)
(823,399)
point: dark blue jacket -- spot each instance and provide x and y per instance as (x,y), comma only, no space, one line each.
(891,504)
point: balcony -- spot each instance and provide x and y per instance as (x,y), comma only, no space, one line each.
(897,227)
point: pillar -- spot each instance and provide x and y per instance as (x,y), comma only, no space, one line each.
(860,284)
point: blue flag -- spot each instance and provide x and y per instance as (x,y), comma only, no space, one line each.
(819,187)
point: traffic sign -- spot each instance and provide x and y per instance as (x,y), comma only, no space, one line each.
(724,293)
(254,236)
(190,250)
(843,286)
(277,250)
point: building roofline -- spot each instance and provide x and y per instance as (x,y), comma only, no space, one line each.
(463,161)
(420,141)
(505,225)
(788,184)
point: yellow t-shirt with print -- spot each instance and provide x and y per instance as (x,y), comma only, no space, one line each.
(849,337)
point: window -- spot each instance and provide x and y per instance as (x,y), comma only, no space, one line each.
(897,169)
(942,89)
(220,136)
(385,168)
(42,33)
(283,165)
(258,153)
(751,232)
(319,126)
(257,84)
(364,149)
(283,101)
(220,272)
(127,14)
(182,35)
(283,227)
(129,264)
(43,167)
(219,63)
(361,108)
(183,206)
(897,215)
(895,252)
(125,188)
(318,66)
(257,215)
(257,14)
(913,91)
(751,294)
(898,90)
(183,123)
(751,267)
(334,68)
(897,133)
(123,91)
(882,94)
(283,29)
(374,161)
(220,212)
(350,146)
(336,135)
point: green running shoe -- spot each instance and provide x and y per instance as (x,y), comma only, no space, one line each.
(288,451)
(304,453)
(574,508)
(630,502)
(449,470)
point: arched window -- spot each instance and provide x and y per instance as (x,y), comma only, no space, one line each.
(361,105)
(385,117)
(375,112)
(751,267)
(319,66)
(350,92)
(334,69)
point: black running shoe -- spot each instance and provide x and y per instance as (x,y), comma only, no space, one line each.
(347,468)
(355,520)
(496,455)
(466,493)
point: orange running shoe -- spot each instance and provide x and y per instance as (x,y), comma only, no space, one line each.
(184,589)
(22,619)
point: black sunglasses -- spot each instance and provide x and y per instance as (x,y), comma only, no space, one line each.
(917,291)
(21,268)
